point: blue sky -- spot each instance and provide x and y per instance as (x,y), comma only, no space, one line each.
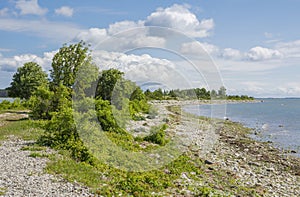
(254,43)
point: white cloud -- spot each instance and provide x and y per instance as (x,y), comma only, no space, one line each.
(54,30)
(196,48)
(123,25)
(179,17)
(122,41)
(260,53)
(289,49)
(142,68)
(4,12)
(30,7)
(10,64)
(64,11)
(229,53)
(92,35)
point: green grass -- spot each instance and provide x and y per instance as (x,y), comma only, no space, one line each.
(37,154)
(107,181)
(24,129)
(33,147)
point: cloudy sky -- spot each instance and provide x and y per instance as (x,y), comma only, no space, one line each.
(254,44)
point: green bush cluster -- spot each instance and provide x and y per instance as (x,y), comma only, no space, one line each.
(15,104)
(157,135)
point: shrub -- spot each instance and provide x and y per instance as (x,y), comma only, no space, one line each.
(61,133)
(157,135)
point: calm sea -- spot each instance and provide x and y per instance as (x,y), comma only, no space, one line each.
(277,120)
(9,99)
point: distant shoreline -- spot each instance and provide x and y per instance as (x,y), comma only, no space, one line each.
(202,102)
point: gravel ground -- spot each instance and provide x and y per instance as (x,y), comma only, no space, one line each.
(21,175)
(253,164)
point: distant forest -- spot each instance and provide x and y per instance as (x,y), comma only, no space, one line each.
(194,93)
(3,93)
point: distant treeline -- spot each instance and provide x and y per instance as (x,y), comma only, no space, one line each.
(193,93)
(3,93)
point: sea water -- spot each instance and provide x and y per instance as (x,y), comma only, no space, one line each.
(276,120)
(6,98)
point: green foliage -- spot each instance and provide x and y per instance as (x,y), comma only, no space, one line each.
(40,103)
(66,63)
(222,92)
(26,80)
(237,97)
(194,93)
(157,135)
(15,105)
(105,115)
(36,154)
(107,82)
(44,102)
(61,133)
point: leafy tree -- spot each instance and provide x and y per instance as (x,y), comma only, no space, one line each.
(107,82)
(213,94)
(222,92)
(158,94)
(26,80)
(67,62)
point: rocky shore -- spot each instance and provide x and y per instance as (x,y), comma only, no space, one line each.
(22,174)
(255,165)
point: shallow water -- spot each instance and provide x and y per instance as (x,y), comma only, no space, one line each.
(277,120)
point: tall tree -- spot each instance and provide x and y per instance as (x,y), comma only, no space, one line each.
(26,80)
(222,92)
(66,63)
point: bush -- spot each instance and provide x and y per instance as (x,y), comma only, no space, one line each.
(16,104)
(157,135)
(61,133)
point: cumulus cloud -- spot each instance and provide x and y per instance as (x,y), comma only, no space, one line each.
(10,64)
(143,69)
(123,41)
(30,7)
(64,11)
(123,25)
(260,53)
(92,35)
(179,17)
(196,48)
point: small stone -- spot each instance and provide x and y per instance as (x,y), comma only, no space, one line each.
(210,168)
(208,162)
(270,169)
